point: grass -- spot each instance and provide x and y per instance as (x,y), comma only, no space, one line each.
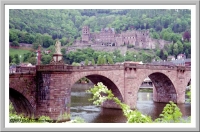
(13,51)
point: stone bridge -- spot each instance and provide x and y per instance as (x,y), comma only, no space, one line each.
(46,89)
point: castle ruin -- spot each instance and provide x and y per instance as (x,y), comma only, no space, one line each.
(109,38)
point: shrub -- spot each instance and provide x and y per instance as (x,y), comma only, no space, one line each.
(170,114)
(101,93)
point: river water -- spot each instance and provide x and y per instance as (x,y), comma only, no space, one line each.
(81,107)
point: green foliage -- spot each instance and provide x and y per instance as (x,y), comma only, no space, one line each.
(17,60)
(110,60)
(46,59)
(76,64)
(13,51)
(78,120)
(35,45)
(101,93)
(27,26)
(63,117)
(63,51)
(32,60)
(45,119)
(101,60)
(188,93)
(170,114)
(14,118)
(83,80)
(15,43)
(93,62)
(86,62)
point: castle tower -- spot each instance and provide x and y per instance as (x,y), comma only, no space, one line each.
(85,34)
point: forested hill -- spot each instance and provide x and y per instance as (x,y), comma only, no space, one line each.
(43,26)
(68,23)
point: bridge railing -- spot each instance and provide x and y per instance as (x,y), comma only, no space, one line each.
(77,68)
(156,67)
(25,69)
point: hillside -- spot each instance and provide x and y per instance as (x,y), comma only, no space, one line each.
(44,26)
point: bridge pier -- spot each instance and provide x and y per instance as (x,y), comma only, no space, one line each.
(130,89)
(53,96)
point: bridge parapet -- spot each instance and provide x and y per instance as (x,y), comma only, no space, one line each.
(68,68)
(156,67)
(25,69)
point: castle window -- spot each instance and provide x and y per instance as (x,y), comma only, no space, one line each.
(141,40)
(143,34)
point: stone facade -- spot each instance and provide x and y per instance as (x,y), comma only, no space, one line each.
(23,92)
(108,37)
(53,83)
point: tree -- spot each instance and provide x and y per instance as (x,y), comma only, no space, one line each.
(47,41)
(86,62)
(76,64)
(15,43)
(63,51)
(17,60)
(110,60)
(93,62)
(180,47)
(46,59)
(13,36)
(35,45)
(10,58)
(186,36)
(32,60)
(175,49)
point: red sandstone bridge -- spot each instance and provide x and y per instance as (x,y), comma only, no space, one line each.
(46,89)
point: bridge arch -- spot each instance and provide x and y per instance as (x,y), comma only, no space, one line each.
(164,89)
(106,80)
(20,103)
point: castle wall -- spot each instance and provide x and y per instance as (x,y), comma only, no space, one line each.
(107,36)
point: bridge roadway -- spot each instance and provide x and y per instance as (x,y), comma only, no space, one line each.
(46,89)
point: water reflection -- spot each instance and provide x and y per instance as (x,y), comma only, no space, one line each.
(80,106)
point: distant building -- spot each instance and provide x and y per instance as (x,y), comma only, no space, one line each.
(179,62)
(182,61)
(26,64)
(169,63)
(170,58)
(12,69)
(181,56)
(133,62)
(147,83)
(47,51)
(108,37)
(187,62)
